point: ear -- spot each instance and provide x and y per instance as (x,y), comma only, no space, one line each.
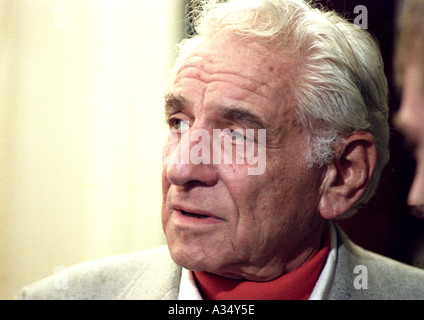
(348,174)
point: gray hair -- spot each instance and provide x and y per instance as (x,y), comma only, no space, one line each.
(341,87)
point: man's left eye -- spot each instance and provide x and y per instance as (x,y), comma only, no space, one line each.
(237,136)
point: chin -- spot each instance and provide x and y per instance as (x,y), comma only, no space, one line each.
(194,258)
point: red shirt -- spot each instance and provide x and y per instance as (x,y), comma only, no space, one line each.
(296,285)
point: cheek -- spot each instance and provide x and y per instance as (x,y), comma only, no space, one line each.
(165,189)
(271,211)
(290,188)
(256,198)
(165,184)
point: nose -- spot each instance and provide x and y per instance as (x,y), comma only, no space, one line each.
(400,118)
(416,193)
(191,161)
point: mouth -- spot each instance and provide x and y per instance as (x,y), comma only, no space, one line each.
(193,215)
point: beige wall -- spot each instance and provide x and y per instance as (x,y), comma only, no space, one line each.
(81,128)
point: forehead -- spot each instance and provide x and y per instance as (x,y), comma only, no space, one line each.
(256,75)
(258,63)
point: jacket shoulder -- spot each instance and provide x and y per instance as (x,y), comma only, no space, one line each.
(362,274)
(106,278)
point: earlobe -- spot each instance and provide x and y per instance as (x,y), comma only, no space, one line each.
(348,174)
(328,198)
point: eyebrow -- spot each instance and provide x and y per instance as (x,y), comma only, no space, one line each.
(174,104)
(246,118)
(241,116)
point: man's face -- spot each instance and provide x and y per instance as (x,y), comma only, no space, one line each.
(217,217)
(410,120)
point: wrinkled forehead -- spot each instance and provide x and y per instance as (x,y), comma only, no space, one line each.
(247,55)
(261,68)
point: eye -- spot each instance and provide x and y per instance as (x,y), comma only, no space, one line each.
(237,137)
(178,124)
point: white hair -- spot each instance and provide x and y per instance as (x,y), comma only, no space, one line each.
(341,87)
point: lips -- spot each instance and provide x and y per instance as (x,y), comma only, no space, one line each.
(193,215)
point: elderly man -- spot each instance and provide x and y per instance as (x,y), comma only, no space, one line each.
(278,125)
(410,77)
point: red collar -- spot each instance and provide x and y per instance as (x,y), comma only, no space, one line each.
(296,285)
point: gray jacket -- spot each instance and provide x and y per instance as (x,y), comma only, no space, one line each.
(153,275)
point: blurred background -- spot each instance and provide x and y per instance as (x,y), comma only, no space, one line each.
(82,128)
